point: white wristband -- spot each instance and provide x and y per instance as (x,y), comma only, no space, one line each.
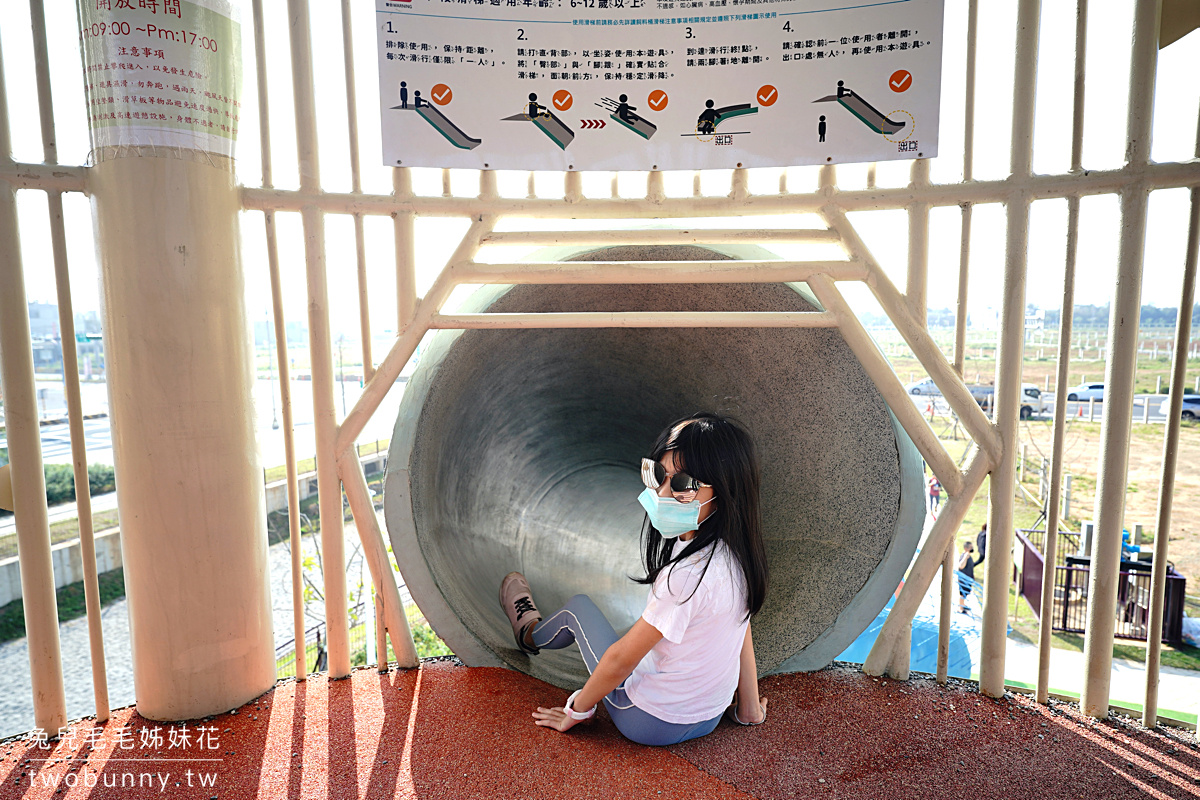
(572,713)
(738,720)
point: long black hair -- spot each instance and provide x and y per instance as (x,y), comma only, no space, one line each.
(717,450)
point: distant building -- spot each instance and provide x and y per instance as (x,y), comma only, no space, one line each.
(264,333)
(46,340)
(88,323)
(986,320)
(43,321)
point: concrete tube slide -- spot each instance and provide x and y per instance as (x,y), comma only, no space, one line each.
(519,450)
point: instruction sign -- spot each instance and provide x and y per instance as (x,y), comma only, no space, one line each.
(162,73)
(657,84)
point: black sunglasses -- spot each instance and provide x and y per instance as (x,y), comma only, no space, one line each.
(654,473)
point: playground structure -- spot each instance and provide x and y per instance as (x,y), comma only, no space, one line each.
(197,588)
(1069,592)
(842,486)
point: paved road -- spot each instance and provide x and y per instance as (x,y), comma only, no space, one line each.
(1178,689)
(63,511)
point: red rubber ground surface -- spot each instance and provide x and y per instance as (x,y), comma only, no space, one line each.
(452,732)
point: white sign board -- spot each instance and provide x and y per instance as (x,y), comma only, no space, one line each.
(162,72)
(657,84)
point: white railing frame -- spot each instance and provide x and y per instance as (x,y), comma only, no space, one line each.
(416,316)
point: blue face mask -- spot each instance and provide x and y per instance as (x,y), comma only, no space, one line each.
(670,517)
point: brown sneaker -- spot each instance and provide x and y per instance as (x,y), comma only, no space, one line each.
(517,602)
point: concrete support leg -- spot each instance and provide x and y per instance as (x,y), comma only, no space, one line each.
(190,493)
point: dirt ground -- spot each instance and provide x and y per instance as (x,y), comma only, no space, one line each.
(1081,453)
(1082,443)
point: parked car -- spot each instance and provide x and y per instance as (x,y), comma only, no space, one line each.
(1086,391)
(926,386)
(1191,407)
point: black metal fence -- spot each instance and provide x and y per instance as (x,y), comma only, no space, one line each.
(315,648)
(1071,576)
(1068,544)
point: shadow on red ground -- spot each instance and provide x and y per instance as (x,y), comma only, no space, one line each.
(446,731)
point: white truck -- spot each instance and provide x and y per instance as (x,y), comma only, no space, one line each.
(1031,398)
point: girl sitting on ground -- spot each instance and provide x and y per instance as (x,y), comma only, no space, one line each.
(673,674)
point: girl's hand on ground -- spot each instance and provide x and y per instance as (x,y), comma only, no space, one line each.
(749,716)
(554,718)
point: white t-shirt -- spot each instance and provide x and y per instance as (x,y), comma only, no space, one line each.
(691,674)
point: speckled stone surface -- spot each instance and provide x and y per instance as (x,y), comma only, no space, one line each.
(525,450)
(450,732)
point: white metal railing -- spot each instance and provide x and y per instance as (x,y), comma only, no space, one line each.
(416,316)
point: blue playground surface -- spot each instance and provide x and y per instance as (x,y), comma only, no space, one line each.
(964,634)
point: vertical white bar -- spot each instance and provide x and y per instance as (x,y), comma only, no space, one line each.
(1050,549)
(25,461)
(66,326)
(1166,491)
(320,347)
(406,252)
(916,287)
(369,622)
(281,354)
(1120,372)
(1009,355)
(960,306)
(381,646)
(944,611)
(360,247)
(964,250)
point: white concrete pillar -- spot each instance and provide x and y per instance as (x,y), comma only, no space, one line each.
(189,482)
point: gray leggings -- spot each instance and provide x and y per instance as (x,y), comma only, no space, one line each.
(581,621)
